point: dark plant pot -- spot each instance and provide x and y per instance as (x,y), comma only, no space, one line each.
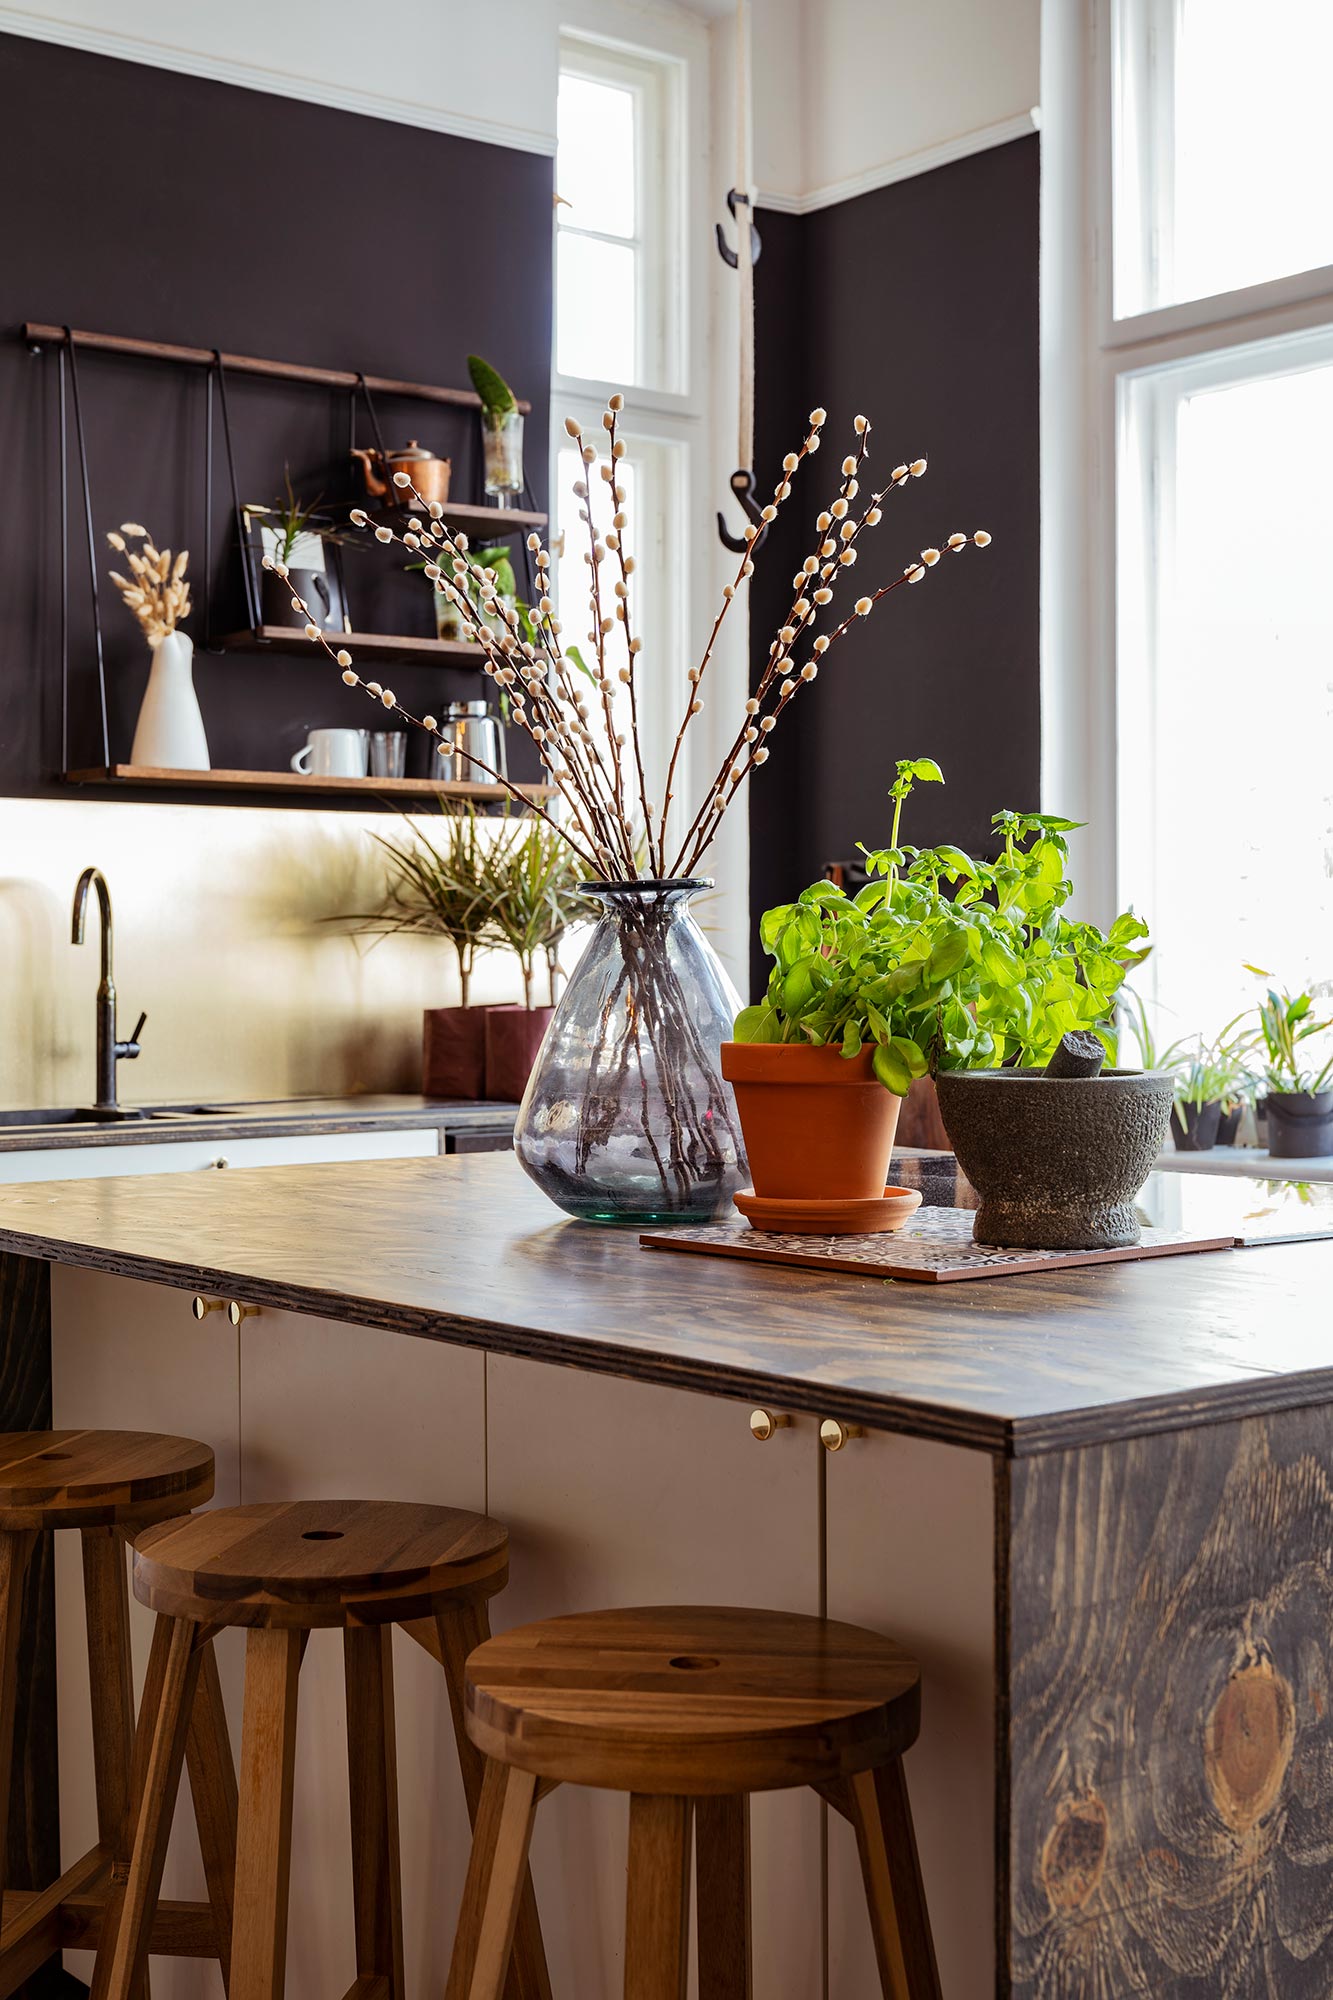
(1300,1125)
(1229,1125)
(1199,1130)
(818,1126)
(319,589)
(514,1036)
(453,1052)
(1056,1161)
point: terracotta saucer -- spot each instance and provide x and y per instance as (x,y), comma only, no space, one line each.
(873,1215)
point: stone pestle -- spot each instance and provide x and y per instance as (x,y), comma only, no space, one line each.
(1080,1053)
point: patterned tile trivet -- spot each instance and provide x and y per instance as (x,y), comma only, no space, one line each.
(935,1246)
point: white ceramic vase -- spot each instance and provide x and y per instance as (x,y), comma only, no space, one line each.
(170,732)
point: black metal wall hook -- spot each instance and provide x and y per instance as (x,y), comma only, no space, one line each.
(743,486)
(724,249)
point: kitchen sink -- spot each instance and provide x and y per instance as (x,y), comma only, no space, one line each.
(63,1115)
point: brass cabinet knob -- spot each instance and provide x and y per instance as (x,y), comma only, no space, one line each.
(763,1423)
(833,1435)
(236,1312)
(202,1307)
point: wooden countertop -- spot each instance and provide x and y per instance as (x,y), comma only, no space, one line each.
(467,1250)
(264,1119)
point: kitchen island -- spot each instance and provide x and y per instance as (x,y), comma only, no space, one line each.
(1096,1504)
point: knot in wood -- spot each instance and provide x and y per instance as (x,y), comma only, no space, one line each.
(1248,1744)
(1073,1859)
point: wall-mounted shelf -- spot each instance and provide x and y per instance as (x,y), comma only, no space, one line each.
(294,781)
(363,646)
(495,520)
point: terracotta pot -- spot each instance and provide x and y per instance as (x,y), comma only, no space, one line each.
(817,1126)
(514,1036)
(453,1052)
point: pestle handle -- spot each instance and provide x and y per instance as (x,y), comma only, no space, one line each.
(1080,1053)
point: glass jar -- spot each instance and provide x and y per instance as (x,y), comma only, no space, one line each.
(502,453)
(626,1118)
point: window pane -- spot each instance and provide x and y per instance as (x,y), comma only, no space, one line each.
(1243,722)
(595,309)
(595,155)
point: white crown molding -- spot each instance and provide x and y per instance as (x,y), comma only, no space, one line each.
(40,27)
(911,164)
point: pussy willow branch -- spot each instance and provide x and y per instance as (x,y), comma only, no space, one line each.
(631,649)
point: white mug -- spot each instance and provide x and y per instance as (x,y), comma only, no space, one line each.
(333,753)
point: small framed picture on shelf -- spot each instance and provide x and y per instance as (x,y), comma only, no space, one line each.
(307,544)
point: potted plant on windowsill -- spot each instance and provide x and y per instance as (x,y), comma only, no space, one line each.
(1211,1078)
(1299,1098)
(941,963)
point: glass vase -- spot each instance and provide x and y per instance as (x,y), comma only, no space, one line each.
(626,1118)
(502,453)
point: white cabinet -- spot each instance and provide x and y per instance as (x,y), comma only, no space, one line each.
(910,1554)
(614,1494)
(183,1156)
(330,1411)
(131,1356)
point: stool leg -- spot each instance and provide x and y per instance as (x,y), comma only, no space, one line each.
(458,1632)
(106,1602)
(657,1915)
(159,1753)
(722,1884)
(880,1812)
(373,1785)
(208,1760)
(497,1872)
(15,1553)
(264,1821)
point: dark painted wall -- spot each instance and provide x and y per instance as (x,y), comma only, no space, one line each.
(167,207)
(916,304)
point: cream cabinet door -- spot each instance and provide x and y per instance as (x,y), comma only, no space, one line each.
(909,1554)
(332,1411)
(619,1494)
(131,1356)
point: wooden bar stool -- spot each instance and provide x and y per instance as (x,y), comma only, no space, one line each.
(689,1710)
(108,1485)
(282,1570)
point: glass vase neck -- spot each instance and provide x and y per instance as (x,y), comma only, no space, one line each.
(673,892)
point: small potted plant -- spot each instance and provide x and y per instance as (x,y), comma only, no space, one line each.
(1299,1099)
(293,533)
(437,888)
(501,432)
(1209,1088)
(531,883)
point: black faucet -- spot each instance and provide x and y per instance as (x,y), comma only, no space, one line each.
(109,1050)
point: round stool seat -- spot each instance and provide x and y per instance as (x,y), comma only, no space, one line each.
(302,1564)
(98,1479)
(692,1699)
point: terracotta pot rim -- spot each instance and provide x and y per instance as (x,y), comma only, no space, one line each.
(796,1062)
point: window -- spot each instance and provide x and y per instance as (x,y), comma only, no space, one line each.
(1224,146)
(1188,693)
(1226,644)
(617,170)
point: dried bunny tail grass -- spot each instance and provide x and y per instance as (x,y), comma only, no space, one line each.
(156,590)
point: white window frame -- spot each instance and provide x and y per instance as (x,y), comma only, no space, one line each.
(1091,360)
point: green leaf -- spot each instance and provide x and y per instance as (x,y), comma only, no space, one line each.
(948,955)
(751,1023)
(891,1069)
(495,393)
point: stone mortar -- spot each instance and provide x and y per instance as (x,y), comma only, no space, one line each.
(1056,1161)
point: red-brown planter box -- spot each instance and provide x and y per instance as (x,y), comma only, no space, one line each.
(453,1052)
(513,1037)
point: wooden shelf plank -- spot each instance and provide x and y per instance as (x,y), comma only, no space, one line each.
(361,645)
(496,520)
(296,781)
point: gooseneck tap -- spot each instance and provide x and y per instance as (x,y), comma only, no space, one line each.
(109,1050)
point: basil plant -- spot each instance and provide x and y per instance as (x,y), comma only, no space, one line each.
(942,961)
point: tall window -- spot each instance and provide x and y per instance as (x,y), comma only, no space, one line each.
(624,320)
(1216,360)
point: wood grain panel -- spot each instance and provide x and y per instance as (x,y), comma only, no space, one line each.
(1171,1716)
(466,1250)
(25,1404)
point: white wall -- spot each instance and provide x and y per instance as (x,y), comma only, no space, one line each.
(852,94)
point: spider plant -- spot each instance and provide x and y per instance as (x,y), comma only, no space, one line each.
(437,888)
(532,882)
(1285,1021)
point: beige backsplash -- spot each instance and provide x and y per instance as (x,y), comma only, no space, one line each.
(219,935)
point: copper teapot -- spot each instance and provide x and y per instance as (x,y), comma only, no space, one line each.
(428,474)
